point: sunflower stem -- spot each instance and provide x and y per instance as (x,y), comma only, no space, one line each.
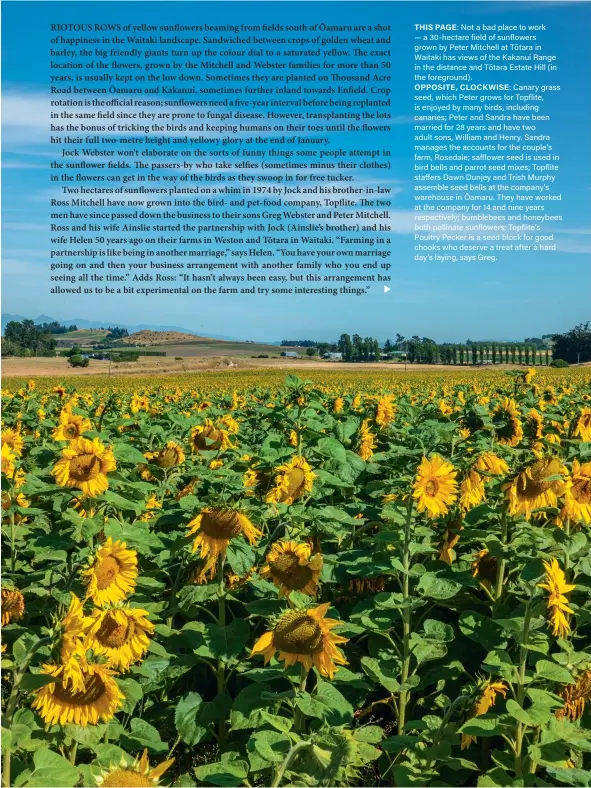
(12,542)
(12,703)
(520,728)
(501,566)
(221,669)
(566,553)
(406,618)
(287,760)
(298,720)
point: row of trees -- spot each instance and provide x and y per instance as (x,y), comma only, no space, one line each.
(27,339)
(56,328)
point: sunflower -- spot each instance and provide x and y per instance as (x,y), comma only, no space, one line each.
(337,405)
(72,653)
(575,697)
(471,490)
(507,422)
(486,699)
(169,456)
(557,602)
(70,426)
(13,605)
(385,411)
(151,507)
(214,529)
(539,485)
(435,487)
(583,426)
(84,465)
(98,698)
(577,501)
(209,437)
(367,441)
(451,536)
(293,479)
(14,440)
(290,567)
(491,464)
(304,636)
(139,402)
(529,375)
(534,422)
(132,773)
(8,460)
(111,574)
(120,634)
(485,567)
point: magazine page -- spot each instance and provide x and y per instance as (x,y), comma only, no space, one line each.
(296,393)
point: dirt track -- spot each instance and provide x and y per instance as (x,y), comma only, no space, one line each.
(58,367)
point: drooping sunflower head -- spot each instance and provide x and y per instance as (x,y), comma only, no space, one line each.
(338,404)
(575,697)
(291,568)
(14,440)
(97,699)
(435,487)
(486,697)
(293,480)
(537,486)
(304,636)
(508,426)
(139,402)
(8,460)
(485,567)
(13,605)
(367,441)
(122,635)
(557,603)
(209,437)
(112,573)
(583,426)
(169,456)
(84,465)
(577,501)
(491,464)
(71,426)
(534,425)
(472,491)
(214,529)
(131,773)
(385,410)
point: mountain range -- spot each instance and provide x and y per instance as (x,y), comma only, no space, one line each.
(82,323)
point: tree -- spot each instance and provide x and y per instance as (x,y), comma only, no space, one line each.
(474,350)
(494,353)
(481,353)
(574,346)
(461,354)
(547,358)
(376,350)
(27,337)
(346,347)
(311,351)
(388,347)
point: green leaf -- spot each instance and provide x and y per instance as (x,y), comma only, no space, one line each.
(438,630)
(229,641)
(229,773)
(185,718)
(128,454)
(572,777)
(271,745)
(481,629)
(51,771)
(483,725)
(143,735)
(554,672)
(435,587)
(33,681)
(533,716)
(133,694)
(331,447)
(384,672)
(240,556)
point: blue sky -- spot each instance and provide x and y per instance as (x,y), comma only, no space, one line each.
(520,295)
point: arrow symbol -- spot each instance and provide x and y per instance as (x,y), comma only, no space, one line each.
(386,289)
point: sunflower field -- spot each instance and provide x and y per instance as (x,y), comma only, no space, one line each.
(354,580)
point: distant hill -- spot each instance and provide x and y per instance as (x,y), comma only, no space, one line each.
(82,323)
(147,337)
